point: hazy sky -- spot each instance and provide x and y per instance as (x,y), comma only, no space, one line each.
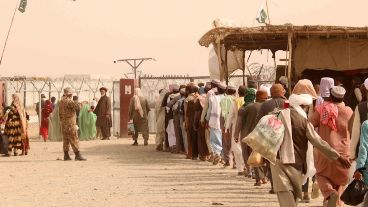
(57,37)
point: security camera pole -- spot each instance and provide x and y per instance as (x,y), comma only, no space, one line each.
(134,63)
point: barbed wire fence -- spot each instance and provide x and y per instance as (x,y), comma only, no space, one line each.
(30,90)
(87,88)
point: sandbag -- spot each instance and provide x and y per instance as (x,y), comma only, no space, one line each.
(354,193)
(267,136)
(255,159)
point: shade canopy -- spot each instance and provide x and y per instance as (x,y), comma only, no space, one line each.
(314,47)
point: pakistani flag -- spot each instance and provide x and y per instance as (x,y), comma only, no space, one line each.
(22,6)
(262,15)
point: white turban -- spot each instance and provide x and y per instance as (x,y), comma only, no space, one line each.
(298,100)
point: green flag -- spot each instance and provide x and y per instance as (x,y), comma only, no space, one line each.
(262,16)
(22,6)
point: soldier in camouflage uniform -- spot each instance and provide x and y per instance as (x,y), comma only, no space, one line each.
(67,113)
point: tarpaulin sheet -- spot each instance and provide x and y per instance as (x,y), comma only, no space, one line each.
(334,54)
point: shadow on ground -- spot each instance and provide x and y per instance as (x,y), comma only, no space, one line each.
(176,181)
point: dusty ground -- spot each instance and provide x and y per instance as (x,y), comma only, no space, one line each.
(117,174)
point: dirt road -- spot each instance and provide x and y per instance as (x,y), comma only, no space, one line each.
(117,174)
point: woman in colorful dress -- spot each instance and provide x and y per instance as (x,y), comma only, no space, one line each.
(46,111)
(16,127)
(87,123)
(54,125)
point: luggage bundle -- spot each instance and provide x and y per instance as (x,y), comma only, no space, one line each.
(267,136)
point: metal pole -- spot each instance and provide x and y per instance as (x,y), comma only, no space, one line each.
(39,110)
(49,89)
(113,107)
(135,69)
(268,13)
(25,94)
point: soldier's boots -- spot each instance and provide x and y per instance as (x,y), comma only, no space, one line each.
(66,156)
(78,157)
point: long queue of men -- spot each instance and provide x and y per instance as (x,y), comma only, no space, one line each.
(209,121)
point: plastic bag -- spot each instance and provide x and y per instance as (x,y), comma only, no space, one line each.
(255,159)
(131,130)
(354,193)
(267,136)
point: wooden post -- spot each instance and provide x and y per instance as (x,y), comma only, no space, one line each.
(244,68)
(226,71)
(290,46)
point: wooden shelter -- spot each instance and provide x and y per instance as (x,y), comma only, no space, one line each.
(315,48)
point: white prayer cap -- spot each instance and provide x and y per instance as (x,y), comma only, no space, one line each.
(338,92)
(222,86)
(366,83)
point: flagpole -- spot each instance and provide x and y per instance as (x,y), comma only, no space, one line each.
(268,13)
(7,36)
